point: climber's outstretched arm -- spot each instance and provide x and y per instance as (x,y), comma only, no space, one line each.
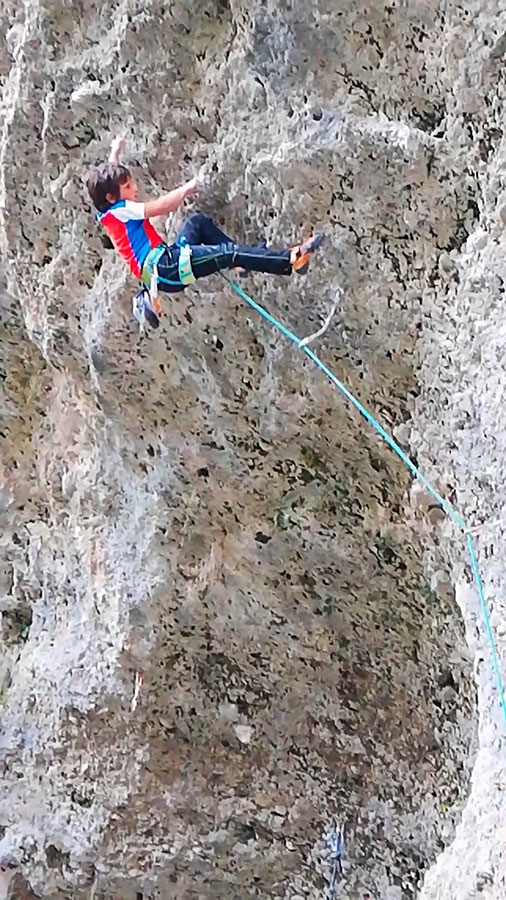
(169,202)
(166,203)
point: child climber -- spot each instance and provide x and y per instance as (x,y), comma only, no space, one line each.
(200,249)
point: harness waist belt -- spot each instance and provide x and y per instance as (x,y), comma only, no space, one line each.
(185,271)
(151,261)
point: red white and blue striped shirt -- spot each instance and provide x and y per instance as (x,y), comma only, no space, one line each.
(131,233)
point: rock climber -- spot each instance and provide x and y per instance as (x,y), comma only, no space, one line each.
(200,248)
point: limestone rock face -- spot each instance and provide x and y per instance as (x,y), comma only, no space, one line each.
(229,621)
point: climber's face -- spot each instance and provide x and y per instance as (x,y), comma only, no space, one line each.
(129,190)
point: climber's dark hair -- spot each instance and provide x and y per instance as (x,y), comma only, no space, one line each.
(104,179)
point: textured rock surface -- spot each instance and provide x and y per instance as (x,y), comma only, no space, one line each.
(201,508)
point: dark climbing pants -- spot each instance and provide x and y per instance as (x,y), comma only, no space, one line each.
(213,250)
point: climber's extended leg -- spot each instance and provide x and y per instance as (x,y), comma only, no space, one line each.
(200,229)
(208,258)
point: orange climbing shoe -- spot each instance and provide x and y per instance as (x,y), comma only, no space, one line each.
(301,253)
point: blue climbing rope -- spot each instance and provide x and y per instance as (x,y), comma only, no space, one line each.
(449,510)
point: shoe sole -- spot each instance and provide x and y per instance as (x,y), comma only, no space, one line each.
(314,244)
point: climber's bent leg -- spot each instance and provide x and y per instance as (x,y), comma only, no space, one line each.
(200,229)
(263,259)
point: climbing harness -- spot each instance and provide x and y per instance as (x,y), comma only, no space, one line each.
(152,279)
(151,263)
(150,268)
(448,509)
(150,274)
(184,266)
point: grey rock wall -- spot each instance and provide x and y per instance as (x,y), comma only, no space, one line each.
(227,619)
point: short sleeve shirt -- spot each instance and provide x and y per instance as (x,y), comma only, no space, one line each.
(131,233)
